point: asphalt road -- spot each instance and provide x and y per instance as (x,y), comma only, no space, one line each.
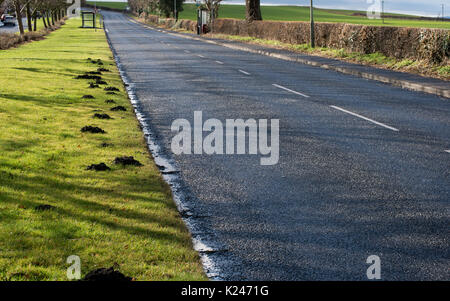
(13,29)
(363,166)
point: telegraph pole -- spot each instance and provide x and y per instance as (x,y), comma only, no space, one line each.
(313,39)
(175,10)
(443,16)
(382,11)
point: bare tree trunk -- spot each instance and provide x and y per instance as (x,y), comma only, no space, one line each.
(28,10)
(43,21)
(19,16)
(35,22)
(253,10)
(48,18)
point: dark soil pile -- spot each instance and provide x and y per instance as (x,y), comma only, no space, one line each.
(118,108)
(100,82)
(106,274)
(112,89)
(92,129)
(88,76)
(44,207)
(88,97)
(127,161)
(102,116)
(98,167)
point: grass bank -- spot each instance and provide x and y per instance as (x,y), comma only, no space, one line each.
(373,59)
(299,13)
(124,217)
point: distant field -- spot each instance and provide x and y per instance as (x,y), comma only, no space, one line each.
(117,5)
(296,13)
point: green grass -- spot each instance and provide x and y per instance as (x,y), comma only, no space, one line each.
(374,59)
(124,217)
(115,5)
(298,13)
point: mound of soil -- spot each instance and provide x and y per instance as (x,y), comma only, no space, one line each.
(93,86)
(88,76)
(98,167)
(44,207)
(127,161)
(110,101)
(88,97)
(102,70)
(92,129)
(100,82)
(118,108)
(102,116)
(111,89)
(104,144)
(98,62)
(106,274)
(111,93)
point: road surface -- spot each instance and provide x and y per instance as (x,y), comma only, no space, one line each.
(13,29)
(363,169)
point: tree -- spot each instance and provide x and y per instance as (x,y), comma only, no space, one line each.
(213,6)
(253,10)
(18,9)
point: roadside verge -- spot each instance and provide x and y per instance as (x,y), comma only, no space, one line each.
(67,183)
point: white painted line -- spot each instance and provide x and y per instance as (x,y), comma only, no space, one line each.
(365,118)
(219,62)
(448,151)
(245,72)
(106,29)
(199,55)
(289,90)
(187,51)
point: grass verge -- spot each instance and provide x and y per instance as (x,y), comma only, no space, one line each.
(9,40)
(124,217)
(374,59)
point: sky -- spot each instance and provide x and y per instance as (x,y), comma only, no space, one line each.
(416,7)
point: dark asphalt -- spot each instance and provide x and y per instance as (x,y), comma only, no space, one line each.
(14,29)
(344,188)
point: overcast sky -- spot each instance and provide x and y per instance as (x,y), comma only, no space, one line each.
(416,7)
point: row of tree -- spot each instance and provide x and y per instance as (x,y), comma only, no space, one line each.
(160,7)
(166,7)
(51,11)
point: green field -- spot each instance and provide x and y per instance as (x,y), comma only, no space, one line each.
(296,13)
(116,5)
(124,217)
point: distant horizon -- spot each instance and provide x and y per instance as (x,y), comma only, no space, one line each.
(430,8)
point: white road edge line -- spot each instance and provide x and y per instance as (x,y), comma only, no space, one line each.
(219,62)
(365,118)
(199,55)
(244,72)
(289,90)
(448,151)
(106,29)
